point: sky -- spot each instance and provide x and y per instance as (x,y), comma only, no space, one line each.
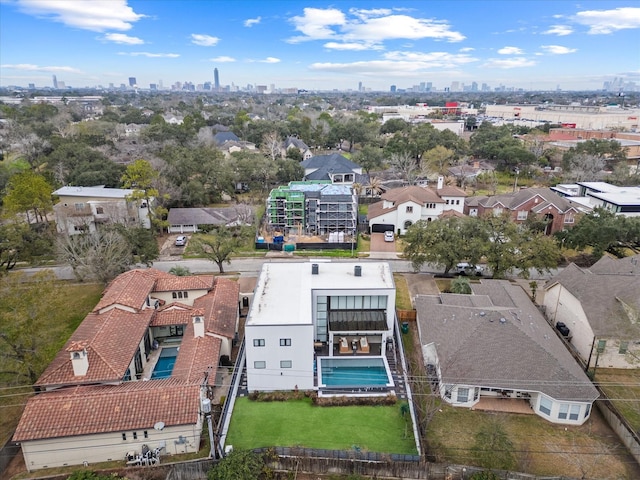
(529,44)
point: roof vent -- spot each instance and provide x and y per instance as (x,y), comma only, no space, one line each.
(357,271)
(482,314)
(314,269)
(503,320)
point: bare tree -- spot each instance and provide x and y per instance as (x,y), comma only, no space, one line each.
(101,255)
(406,166)
(584,167)
(271,145)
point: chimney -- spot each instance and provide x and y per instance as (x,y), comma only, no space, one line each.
(314,269)
(79,358)
(198,325)
(357,271)
(440,182)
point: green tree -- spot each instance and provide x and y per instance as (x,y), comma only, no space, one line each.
(238,465)
(141,176)
(25,305)
(512,246)
(216,247)
(437,159)
(493,448)
(180,271)
(445,242)
(29,193)
(142,243)
(369,157)
(461,285)
(604,231)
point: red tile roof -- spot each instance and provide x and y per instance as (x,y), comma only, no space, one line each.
(111,340)
(197,359)
(171,283)
(130,289)
(85,410)
(221,307)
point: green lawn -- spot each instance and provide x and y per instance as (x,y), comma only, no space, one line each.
(299,423)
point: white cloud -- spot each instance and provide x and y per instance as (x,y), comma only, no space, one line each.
(514,62)
(222,59)
(204,40)
(97,15)
(368,27)
(250,22)
(37,68)
(608,21)
(510,51)
(399,63)
(315,24)
(270,60)
(354,46)
(122,38)
(560,30)
(466,49)
(557,49)
(150,55)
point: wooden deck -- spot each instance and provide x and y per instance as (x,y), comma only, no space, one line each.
(508,405)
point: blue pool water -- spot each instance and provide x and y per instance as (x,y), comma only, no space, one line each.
(165,364)
(353,372)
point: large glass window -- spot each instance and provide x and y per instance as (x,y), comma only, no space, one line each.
(587,410)
(624,346)
(574,412)
(545,405)
(463,394)
(564,411)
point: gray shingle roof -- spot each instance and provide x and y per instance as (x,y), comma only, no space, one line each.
(607,299)
(513,200)
(210,216)
(326,164)
(505,343)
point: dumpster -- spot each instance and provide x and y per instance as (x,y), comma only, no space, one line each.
(405,327)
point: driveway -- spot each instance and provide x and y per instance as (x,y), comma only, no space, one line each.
(379,245)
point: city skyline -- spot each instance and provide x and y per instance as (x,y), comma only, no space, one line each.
(356,45)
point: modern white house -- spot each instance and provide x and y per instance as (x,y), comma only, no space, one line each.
(495,344)
(402,207)
(600,306)
(134,373)
(83,209)
(308,320)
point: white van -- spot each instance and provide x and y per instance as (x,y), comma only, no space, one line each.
(465,268)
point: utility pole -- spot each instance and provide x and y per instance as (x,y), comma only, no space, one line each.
(206,409)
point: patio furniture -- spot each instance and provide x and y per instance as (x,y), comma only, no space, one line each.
(364,345)
(344,345)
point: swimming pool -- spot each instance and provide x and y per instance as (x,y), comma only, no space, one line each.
(354,372)
(165,363)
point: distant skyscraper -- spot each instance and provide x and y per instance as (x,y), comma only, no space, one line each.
(132,81)
(393,89)
(359,86)
(216,80)
(55,82)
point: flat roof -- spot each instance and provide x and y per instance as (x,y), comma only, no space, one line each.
(283,294)
(98,191)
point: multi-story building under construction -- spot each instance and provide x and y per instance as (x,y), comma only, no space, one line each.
(313,208)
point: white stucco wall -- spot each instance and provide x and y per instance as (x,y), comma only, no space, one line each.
(58,452)
(273,376)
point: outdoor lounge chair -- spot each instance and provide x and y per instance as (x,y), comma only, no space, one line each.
(364,345)
(344,345)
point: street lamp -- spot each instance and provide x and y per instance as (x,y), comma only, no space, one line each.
(515,183)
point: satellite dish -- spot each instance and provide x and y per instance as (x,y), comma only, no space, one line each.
(159,426)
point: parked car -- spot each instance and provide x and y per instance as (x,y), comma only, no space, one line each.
(465,268)
(389,236)
(181,241)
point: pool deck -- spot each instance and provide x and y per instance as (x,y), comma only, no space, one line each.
(154,355)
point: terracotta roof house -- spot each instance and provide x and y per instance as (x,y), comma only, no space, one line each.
(495,343)
(542,203)
(334,167)
(134,372)
(601,308)
(188,220)
(402,207)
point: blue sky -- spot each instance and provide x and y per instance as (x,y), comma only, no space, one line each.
(318,45)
